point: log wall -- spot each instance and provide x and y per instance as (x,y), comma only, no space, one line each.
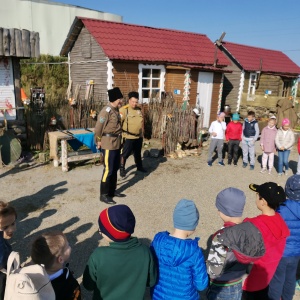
(19,43)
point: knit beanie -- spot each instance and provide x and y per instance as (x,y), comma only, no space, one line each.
(292,187)
(186,215)
(231,202)
(285,121)
(114,94)
(235,117)
(117,222)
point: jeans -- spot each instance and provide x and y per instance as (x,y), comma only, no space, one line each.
(283,160)
(283,282)
(232,292)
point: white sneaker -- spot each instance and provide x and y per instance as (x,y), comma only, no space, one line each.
(263,170)
(270,172)
(279,174)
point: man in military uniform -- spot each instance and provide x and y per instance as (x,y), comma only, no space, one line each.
(132,126)
(108,135)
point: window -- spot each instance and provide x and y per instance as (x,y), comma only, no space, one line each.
(252,86)
(286,88)
(151,81)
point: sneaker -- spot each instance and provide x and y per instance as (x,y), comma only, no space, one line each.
(263,170)
(209,164)
(220,163)
(251,167)
(235,164)
(245,165)
(286,172)
(270,172)
(279,174)
(298,285)
(229,163)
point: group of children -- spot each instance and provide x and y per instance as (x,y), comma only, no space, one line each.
(271,139)
(251,258)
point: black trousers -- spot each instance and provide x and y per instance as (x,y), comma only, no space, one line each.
(133,146)
(233,150)
(258,295)
(109,176)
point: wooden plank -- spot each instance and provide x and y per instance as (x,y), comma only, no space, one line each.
(37,45)
(19,45)
(12,50)
(32,43)
(1,42)
(6,41)
(26,43)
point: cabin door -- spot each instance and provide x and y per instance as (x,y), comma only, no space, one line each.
(204,94)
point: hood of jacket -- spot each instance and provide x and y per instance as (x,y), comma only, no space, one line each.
(173,251)
(293,207)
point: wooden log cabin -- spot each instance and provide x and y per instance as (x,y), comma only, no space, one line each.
(15,44)
(148,60)
(259,77)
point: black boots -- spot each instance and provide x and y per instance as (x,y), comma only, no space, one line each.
(106,199)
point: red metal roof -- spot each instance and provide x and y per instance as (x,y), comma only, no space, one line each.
(272,61)
(134,42)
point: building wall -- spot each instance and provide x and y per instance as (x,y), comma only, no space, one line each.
(194,85)
(175,81)
(215,96)
(87,51)
(51,19)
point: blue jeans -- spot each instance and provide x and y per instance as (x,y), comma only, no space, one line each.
(283,160)
(283,282)
(232,292)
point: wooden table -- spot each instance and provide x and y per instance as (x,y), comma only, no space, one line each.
(63,137)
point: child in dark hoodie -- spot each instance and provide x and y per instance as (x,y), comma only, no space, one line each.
(182,270)
(283,282)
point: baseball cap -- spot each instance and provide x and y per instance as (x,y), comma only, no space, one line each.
(273,117)
(272,192)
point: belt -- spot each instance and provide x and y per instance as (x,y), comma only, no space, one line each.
(111,134)
(131,133)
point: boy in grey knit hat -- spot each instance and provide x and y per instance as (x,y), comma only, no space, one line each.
(224,270)
(182,271)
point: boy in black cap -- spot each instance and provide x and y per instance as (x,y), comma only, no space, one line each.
(274,232)
(108,138)
(123,269)
(132,126)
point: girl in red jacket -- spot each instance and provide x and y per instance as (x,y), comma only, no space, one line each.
(234,136)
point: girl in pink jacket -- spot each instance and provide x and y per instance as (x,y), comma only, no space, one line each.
(267,143)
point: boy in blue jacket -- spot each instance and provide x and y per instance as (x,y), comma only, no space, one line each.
(182,270)
(282,285)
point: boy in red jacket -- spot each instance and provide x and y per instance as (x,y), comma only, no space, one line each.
(234,136)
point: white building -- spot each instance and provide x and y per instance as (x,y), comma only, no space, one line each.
(51,19)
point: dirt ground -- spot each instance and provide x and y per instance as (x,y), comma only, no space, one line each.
(47,199)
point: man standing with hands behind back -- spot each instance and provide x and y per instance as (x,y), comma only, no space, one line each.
(132,125)
(108,134)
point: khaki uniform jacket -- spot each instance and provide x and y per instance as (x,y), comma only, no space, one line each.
(132,122)
(108,122)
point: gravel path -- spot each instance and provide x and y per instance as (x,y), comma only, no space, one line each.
(48,199)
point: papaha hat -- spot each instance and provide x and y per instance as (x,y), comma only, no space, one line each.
(186,215)
(235,117)
(292,187)
(285,121)
(231,202)
(133,95)
(271,192)
(117,222)
(114,94)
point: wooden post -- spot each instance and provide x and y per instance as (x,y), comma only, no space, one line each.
(37,45)
(26,42)
(6,41)
(12,50)
(17,83)
(32,43)
(19,45)
(64,156)
(1,42)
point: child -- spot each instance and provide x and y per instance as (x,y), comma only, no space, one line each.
(283,282)
(267,143)
(224,270)
(182,271)
(123,269)
(274,232)
(250,135)
(52,250)
(284,141)
(217,129)
(234,136)
(8,217)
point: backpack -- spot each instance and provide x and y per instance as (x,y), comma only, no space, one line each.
(30,283)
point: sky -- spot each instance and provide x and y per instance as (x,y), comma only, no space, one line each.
(271,24)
